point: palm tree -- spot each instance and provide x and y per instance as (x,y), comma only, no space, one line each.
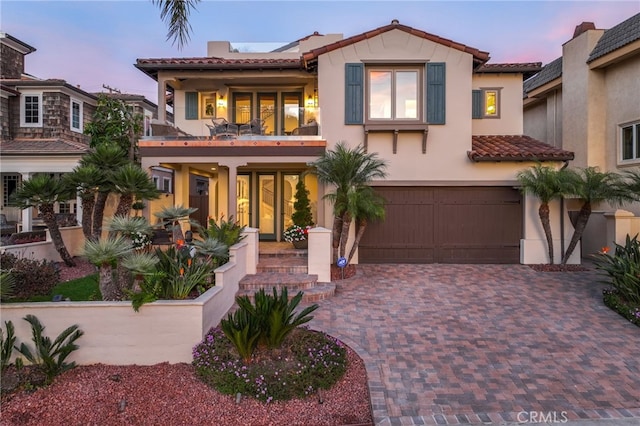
(131,181)
(104,253)
(107,158)
(87,180)
(633,183)
(140,264)
(546,184)
(592,186)
(367,206)
(346,168)
(172,215)
(175,13)
(43,191)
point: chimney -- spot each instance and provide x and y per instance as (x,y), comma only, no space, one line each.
(585,26)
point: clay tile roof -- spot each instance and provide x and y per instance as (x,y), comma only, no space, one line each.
(42,147)
(616,37)
(514,148)
(151,66)
(478,55)
(549,72)
(527,69)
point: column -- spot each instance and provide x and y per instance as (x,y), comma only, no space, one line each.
(27,214)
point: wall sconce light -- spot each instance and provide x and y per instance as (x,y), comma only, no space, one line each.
(309,103)
(222,102)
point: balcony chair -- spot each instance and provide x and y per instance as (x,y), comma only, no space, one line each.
(254,127)
(310,129)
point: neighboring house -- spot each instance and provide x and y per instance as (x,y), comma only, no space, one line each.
(449,124)
(588,101)
(42,127)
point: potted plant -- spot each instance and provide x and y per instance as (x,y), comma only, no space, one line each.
(302,218)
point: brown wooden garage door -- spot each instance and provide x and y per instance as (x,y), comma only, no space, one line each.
(446,225)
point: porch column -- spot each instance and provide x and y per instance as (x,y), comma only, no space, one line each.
(79,210)
(162,101)
(27,214)
(232,176)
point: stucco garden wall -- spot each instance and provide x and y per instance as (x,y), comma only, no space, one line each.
(45,250)
(163,331)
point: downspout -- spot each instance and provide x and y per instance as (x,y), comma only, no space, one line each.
(566,164)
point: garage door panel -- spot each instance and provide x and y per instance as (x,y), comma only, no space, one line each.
(446,224)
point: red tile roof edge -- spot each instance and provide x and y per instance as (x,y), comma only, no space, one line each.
(479,56)
(514,148)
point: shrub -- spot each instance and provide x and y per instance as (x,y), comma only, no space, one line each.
(32,277)
(308,361)
(227,232)
(302,215)
(6,345)
(623,269)
(7,285)
(50,356)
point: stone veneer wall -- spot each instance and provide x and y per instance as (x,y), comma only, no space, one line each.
(5,131)
(12,65)
(56,119)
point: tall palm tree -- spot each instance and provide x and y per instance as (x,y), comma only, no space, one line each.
(175,13)
(131,181)
(367,206)
(346,168)
(107,158)
(592,186)
(87,180)
(172,215)
(546,184)
(42,191)
(104,253)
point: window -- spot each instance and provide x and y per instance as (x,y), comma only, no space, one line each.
(208,103)
(9,186)
(630,141)
(31,110)
(486,103)
(166,185)
(393,93)
(76,115)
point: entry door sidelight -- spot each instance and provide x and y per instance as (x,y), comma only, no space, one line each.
(243,200)
(267,205)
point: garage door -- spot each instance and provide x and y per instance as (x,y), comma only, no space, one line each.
(446,225)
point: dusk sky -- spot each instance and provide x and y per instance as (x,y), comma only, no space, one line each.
(91,43)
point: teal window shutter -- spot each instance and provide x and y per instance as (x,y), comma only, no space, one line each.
(436,93)
(354,94)
(191,106)
(476,104)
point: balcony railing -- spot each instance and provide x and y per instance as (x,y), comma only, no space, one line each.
(272,123)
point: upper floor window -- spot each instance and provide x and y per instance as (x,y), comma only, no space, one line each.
(76,115)
(31,110)
(630,141)
(486,103)
(393,93)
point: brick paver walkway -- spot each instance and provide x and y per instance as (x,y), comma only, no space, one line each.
(448,344)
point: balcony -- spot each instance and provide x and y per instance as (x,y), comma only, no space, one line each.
(218,137)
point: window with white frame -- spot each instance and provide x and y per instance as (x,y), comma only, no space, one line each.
(31,110)
(76,115)
(166,185)
(394,93)
(630,141)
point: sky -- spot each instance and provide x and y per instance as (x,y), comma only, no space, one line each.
(93,43)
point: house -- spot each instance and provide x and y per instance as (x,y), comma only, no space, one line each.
(42,125)
(449,124)
(588,101)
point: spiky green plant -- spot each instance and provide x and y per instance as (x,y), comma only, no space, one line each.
(50,356)
(7,285)
(175,13)
(212,250)
(6,345)
(228,232)
(105,253)
(623,268)
(242,330)
(172,215)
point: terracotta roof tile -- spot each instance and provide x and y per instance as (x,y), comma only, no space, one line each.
(479,56)
(213,62)
(42,147)
(514,148)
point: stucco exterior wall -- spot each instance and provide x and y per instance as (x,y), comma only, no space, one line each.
(623,106)
(510,121)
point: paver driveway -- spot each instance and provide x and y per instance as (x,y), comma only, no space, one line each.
(486,343)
